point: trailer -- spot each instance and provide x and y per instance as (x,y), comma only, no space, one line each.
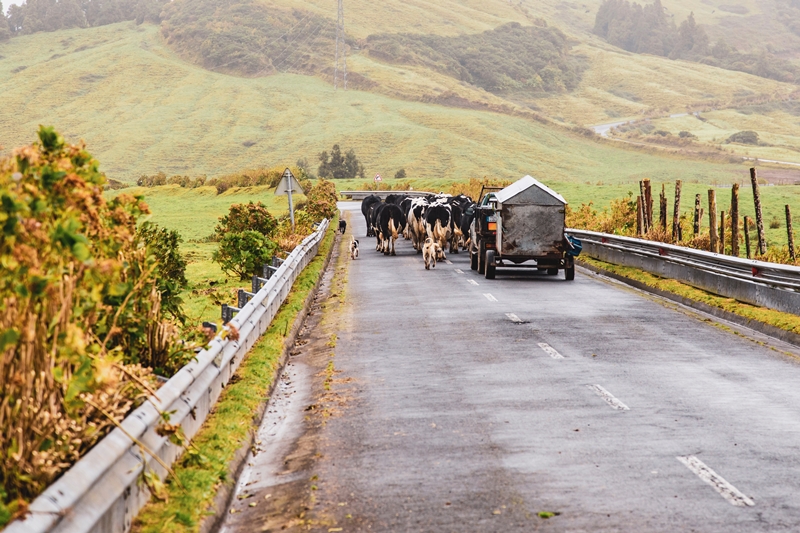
(522,226)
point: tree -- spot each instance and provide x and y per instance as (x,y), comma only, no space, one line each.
(400,174)
(5,29)
(338,167)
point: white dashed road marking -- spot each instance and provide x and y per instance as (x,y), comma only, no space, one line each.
(448,261)
(726,490)
(514,318)
(609,398)
(490,297)
(459,271)
(550,350)
(472,282)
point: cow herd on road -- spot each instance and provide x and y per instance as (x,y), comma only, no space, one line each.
(432,223)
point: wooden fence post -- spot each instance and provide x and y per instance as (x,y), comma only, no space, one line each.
(747,235)
(790,232)
(697,215)
(722,232)
(735,220)
(648,201)
(676,213)
(662,209)
(639,217)
(762,243)
(712,220)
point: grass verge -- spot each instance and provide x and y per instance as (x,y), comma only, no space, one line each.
(205,466)
(777,319)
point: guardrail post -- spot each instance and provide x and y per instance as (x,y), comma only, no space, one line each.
(712,220)
(243,297)
(735,220)
(228,311)
(762,243)
(790,233)
(676,213)
(747,235)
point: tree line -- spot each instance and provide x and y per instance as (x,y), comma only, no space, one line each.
(510,58)
(51,15)
(648,30)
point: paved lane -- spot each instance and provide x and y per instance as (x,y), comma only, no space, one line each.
(473,405)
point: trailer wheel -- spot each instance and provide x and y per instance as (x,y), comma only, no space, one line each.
(552,271)
(481,258)
(569,273)
(473,260)
(490,268)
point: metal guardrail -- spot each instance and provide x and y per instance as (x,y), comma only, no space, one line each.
(759,283)
(360,195)
(102,492)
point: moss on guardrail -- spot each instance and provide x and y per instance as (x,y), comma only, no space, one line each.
(204,468)
(778,319)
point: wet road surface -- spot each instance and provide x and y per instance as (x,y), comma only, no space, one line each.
(454,403)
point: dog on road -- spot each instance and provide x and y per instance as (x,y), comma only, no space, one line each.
(430,251)
(342,226)
(353,248)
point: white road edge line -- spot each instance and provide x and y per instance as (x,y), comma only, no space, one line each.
(725,489)
(490,297)
(472,282)
(609,398)
(459,271)
(514,318)
(550,350)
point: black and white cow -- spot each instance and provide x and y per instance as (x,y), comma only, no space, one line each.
(416,222)
(390,225)
(438,224)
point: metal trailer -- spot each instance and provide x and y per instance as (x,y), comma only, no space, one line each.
(521,223)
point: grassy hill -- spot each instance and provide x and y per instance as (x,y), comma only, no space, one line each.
(142,109)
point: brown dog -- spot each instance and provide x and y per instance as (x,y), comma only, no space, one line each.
(430,251)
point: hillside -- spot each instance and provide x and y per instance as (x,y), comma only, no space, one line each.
(142,109)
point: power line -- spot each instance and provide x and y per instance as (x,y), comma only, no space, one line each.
(340,42)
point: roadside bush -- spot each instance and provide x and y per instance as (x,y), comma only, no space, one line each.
(80,311)
(164,245)
(322,200)
(244,253)
(400,174)
(246,217)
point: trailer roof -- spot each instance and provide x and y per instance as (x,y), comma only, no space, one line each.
(542,193)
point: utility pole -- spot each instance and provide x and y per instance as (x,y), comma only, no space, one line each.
(340,42)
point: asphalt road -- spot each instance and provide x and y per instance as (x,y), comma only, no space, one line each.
(464,404)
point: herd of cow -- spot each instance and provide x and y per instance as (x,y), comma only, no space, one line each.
(432,223)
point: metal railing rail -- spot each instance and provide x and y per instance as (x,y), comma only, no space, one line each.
(102,491)
(760,283)
(360,195)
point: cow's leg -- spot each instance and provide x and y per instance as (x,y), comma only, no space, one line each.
(393,239)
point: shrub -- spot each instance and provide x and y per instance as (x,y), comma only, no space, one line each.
(775,223)
(244,253)
(322,200)
(246,217)
(400,174)
(79,305)
(744,137)
(164,245)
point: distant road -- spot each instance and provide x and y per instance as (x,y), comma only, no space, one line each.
(464,404)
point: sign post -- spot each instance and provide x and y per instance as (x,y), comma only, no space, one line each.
(287,185)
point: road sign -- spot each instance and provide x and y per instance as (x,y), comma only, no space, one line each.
(378,177)
(286,187)
(288,181)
